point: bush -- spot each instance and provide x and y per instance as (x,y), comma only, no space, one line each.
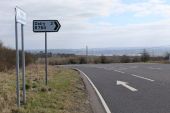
(29,58)
(8,58)
(103,59)
(73,61)
(145,56)
(136,59)
(82,60)
(125,59)
(167,56)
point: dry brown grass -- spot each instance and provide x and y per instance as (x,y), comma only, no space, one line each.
(65,92)
(7,92)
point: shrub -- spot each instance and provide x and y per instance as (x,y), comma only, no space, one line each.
(103,59)
(82,60)
(8,58)
(136,59)
(125,59)
(167,56)
(145,56)
(73,61)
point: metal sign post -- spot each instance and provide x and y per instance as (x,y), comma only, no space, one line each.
(86,54)
(17,61)
(23,64)
(46,68)
(20,17)
(46,26)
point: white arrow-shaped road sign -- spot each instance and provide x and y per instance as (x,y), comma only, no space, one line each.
(125,84)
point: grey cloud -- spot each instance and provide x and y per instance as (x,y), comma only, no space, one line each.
(76,31)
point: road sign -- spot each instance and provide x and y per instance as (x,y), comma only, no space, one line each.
(46,25)
(20,15)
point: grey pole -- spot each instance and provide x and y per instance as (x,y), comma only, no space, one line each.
(87,54)
(17,63)
(23,64)
(46,59)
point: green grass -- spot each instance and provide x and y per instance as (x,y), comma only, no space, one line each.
(65,92)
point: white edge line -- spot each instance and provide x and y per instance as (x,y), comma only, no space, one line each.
(143,77)
(98,93)
(119,71)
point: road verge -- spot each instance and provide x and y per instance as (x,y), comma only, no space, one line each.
(65,92)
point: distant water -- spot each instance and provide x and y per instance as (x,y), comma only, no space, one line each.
(154,51)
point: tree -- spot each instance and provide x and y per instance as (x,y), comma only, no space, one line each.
(136,59)
(82,60)
(125,59)
(145,56)
(167,56)
(1,44)
(103,59)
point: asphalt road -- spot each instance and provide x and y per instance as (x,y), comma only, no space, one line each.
(132,88)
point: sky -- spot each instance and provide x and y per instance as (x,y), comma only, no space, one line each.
(95,23)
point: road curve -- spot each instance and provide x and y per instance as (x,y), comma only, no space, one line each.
(151,81)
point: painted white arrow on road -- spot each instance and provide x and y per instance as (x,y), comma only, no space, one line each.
(125,84)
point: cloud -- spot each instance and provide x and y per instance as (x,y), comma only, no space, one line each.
(149,7)
(77,31)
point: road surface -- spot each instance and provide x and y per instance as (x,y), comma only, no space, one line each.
(132,88)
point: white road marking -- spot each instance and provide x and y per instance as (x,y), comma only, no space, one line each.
(124,84)
(155,68)
(133,67)
(98,93)
(109,69)
(122,68)
(142,77)
(119,71)
(100,67)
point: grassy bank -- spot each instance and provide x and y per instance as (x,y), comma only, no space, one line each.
(65,92)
